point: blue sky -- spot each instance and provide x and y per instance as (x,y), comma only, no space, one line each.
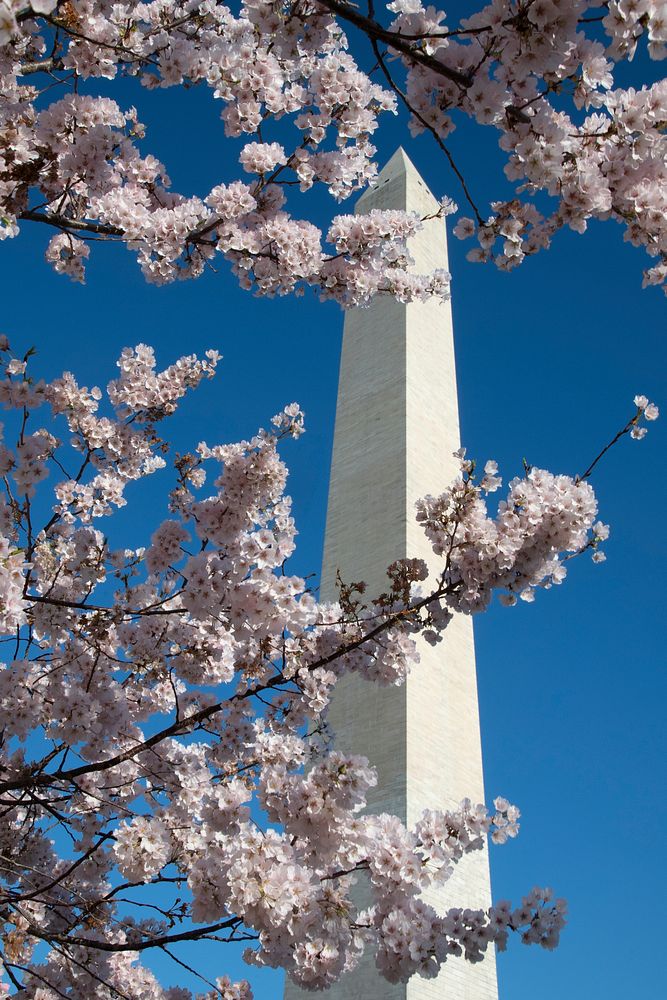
(572,687)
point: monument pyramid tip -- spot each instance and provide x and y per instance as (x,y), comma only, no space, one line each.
(398,165)
(399,162)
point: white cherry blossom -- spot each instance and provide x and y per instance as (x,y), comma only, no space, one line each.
(303,111)
(158,700)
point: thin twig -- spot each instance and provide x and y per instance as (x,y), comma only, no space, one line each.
(397,90)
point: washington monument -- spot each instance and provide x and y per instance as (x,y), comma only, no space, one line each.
(397,428)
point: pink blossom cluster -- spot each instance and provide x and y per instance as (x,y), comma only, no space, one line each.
(543,518)
(540,73)
(68,255)
(508,66)
(78,155)
(12,607)
(645,411)
(158,700)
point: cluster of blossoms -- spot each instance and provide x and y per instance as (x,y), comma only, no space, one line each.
(518,550)
(156,701)
(539,72)
(77,156)
(544,521)
(508,66)
(645,410)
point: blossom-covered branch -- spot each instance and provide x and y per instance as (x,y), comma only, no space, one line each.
(166,767)
(302,110)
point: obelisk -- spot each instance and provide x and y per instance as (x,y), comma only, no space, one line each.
(397,428)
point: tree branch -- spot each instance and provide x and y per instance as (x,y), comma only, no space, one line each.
(403,97)
(191,721)
(373,30)
(192,935)
(63,222)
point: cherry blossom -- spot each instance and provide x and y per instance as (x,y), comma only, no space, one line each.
(299,109)
(168,772)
